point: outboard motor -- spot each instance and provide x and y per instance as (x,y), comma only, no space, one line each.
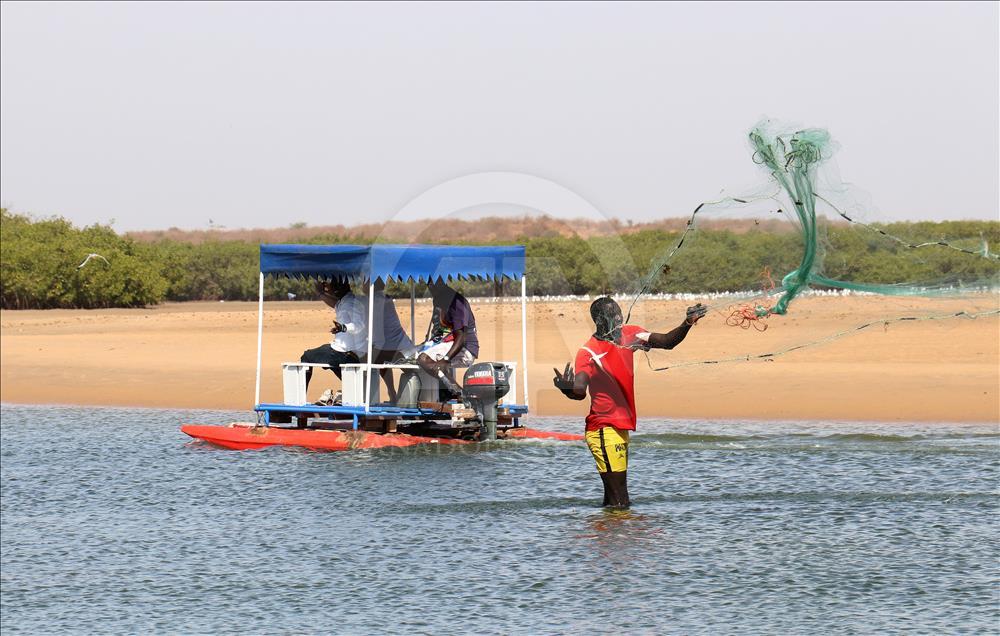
(484,385)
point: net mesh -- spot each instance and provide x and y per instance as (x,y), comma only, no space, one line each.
(825,242)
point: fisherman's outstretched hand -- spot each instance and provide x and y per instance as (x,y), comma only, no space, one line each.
(695,313)
(564,380)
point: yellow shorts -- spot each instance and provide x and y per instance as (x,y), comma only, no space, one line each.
(610,448)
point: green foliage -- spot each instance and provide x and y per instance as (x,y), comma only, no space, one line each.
(217,270)
(40,266)
(39,262)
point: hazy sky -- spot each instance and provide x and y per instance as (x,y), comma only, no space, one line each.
(261,115)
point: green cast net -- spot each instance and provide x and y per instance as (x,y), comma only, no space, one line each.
(824,242)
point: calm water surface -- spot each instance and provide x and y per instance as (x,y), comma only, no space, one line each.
(113,522)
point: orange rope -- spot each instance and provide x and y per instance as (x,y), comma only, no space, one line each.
(746,316)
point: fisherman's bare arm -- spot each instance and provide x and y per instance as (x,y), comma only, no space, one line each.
(675,336)
(572,385)
(442,364)
(456,344)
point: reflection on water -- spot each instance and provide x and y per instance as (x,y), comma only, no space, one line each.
(610,525)
(114,522)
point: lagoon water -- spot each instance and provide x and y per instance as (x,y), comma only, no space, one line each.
(115,522)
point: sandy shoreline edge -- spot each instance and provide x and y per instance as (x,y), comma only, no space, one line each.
(721,421)
(201,356)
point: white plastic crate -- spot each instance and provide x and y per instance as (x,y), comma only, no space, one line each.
(353,383)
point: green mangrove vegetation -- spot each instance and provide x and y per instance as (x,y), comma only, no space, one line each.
(40,263)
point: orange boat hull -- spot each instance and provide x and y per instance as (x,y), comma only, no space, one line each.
(244,436)
(531,433)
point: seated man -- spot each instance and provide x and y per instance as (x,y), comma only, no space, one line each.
(389,340)
(453,341)
(350,330)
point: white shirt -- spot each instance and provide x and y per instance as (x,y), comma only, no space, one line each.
(353,314)
(388,333)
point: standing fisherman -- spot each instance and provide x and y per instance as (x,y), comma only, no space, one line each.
(605,366)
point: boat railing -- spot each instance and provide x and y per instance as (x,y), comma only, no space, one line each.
(293,376)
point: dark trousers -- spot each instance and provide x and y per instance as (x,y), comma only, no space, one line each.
(328,356)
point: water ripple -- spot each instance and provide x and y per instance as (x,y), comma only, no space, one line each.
(113,522)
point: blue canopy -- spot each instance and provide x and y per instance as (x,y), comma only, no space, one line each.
(399,262)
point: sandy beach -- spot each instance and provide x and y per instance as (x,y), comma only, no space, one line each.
(201,355)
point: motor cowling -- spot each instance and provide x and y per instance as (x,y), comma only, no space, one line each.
(486,381)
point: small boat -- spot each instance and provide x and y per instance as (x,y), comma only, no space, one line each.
(487,407)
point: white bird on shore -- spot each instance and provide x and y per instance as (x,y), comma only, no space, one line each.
(90,256)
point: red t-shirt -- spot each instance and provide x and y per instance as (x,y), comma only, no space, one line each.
(612,385)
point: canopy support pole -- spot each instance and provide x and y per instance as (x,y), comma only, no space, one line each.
(413,311)
(260,337)
(524,337)
(371,322)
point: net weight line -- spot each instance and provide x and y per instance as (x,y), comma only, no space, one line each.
(984,252)
(812,343)
(658,265)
